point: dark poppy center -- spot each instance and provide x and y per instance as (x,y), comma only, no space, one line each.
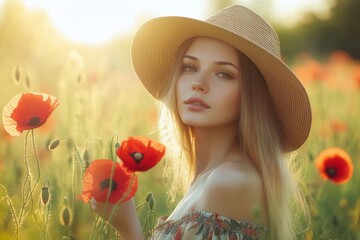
(106,184)
(34,121)
(331,172)
(138,157)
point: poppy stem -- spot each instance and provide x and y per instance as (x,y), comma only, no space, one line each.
(141,205)
(26,190)
(37,162)
(76,151)
(151,221)
(12,209)
(123,197)
(113,153)
(28,175)
(102,226)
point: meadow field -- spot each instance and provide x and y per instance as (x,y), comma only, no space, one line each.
(101,103)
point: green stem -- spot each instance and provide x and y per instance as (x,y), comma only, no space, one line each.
(26,190)
(141,205)
(73,187)
(12,209)
(77,152)
(123,197)
(112,153)
(97,221)
(29,194)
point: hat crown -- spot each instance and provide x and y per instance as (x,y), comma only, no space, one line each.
(247,24)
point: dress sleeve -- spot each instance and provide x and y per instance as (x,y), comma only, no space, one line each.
(206,225)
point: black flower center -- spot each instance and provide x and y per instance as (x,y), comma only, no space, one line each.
(138,157)
(331,172)
(34,121)
(106,184)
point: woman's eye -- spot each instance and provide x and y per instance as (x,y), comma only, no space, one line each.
(189,68)
(224,75)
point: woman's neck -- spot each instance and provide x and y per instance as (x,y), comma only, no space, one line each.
(214,146)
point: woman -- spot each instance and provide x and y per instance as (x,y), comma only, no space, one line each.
(230,111)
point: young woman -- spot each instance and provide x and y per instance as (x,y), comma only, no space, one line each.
(231,111)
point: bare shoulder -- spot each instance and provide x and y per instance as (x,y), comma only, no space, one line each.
(235,191)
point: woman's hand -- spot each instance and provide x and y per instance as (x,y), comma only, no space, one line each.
(124,219)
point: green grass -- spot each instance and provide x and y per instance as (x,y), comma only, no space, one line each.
(94,109)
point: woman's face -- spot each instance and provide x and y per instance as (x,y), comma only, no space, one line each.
(208,91)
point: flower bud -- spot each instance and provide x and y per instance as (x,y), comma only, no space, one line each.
(151,203)
(86,155)
(65,216)
(27,80)
(53,144)
(117,145)
(16,74)
(149,196)
(45,195)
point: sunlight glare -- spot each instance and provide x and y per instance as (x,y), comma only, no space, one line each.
(98,21)
(94,21)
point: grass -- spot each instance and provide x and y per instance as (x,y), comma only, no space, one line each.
(97,106)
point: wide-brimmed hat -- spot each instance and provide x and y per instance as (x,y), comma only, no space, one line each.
(157,41)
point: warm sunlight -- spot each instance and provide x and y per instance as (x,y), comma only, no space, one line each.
(289,12)
(98,21)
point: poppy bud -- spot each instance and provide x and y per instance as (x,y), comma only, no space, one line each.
(151,203)
(16,74)
(65,216)
(79,79)
(27,80)
(149,196)
(53,144)
(86,156)
(117,145)
(45,195)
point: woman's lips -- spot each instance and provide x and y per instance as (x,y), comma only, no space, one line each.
(196,104)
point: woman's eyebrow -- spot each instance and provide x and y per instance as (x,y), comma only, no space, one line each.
(217,63)
(191,57)
(227,63)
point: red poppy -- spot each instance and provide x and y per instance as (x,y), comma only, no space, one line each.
(335,164)
(27,111)
(97,180)
(338,126)
(140,153)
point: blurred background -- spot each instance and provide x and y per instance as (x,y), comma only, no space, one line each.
(79,51)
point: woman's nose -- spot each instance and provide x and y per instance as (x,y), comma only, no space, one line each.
(199,87)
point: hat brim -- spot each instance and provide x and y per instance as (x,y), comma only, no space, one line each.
(154,50)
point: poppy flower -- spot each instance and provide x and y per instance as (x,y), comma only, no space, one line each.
(97,180)
(27,111)
(140,153)
(334,164)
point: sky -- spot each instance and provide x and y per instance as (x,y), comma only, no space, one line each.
(97,21)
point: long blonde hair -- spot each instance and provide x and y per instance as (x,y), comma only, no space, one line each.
(259,136)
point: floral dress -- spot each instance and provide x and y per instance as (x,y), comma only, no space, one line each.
(206,225)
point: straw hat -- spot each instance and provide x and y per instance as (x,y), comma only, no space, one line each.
(156,42)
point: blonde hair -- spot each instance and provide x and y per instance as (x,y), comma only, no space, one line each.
(259,136)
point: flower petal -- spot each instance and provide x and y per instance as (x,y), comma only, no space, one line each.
(103,173)
(140,153)
(335,164)
(27,111)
